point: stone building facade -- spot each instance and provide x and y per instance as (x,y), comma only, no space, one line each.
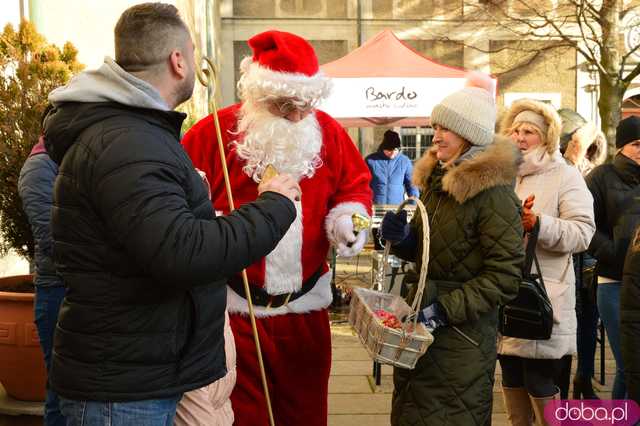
(443,30)
(461,33)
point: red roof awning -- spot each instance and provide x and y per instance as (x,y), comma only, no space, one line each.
(386,56)
(385,82)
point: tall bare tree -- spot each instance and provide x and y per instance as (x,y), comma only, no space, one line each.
(594,28)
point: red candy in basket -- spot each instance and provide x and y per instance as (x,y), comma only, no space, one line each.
(386,339)
(388,319)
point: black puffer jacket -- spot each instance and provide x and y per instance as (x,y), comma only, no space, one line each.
(616,202)
(630,319)
(143,258)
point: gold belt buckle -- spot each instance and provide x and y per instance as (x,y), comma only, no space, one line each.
(286,301)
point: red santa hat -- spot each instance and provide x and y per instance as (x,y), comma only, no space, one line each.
(283,65)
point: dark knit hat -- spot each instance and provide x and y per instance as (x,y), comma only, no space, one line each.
(390,141)
(628,131)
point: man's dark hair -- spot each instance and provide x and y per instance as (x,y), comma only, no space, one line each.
(46,111)
(146,34)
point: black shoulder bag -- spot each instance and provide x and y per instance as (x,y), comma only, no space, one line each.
(530,314)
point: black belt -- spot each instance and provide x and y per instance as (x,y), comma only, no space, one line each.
(261,298)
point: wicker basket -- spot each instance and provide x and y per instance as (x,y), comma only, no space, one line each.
(398,347)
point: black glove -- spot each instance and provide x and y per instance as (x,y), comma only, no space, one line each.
(394,226)
(433,316)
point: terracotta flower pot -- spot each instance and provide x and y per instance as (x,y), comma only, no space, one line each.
(22,370)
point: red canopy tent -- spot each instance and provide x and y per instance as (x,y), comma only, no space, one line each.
(385,82)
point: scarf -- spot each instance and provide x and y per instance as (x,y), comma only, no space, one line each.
(536,159)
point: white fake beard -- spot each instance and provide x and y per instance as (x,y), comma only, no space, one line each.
(292,148)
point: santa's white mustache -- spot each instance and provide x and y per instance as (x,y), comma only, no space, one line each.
(291,147)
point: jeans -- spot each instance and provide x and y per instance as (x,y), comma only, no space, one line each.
(587,316)
(609,308)
(46,306)
(151,412)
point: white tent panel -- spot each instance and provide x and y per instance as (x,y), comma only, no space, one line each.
(387,96)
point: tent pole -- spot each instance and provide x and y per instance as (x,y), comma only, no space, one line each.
(359,22)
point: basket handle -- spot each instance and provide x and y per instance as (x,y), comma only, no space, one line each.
(422,281)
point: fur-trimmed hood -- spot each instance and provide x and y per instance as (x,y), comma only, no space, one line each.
(497,165)
(593,142)
(550,115)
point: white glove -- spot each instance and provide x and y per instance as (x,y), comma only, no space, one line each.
(360,240)
(347,243)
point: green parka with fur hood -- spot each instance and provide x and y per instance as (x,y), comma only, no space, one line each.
(476,255)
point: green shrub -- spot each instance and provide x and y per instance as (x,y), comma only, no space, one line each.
(29,69)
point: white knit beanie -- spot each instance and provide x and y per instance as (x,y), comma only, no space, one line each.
(470,113)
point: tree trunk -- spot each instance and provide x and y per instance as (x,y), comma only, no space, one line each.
(612,87)
(609,106)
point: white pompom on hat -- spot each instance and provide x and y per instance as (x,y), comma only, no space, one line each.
(469,112)
(283,65)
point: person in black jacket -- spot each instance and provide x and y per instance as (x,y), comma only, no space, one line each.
(136,240)
(630,319)
(584,146)
(616,196)
(35,187)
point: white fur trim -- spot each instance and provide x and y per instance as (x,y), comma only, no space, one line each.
(347,208)
(283,266)
(319,297)
(258,82)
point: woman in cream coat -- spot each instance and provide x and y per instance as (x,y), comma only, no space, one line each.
(555,195)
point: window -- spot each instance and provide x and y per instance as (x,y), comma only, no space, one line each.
(414,141)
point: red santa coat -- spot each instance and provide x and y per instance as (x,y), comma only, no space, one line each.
(297,335)
(339,186)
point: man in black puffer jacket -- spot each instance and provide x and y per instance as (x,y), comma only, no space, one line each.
(136,240)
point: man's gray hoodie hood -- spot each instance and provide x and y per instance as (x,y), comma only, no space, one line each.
(109,83)
(93,97)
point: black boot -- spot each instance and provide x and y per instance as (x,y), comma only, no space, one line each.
(563,377)
(582,388)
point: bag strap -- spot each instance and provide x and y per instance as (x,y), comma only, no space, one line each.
(539,276)
(530,257)
(530,252)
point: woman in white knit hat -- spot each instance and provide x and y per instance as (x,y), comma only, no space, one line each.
(555,196)
(476,249)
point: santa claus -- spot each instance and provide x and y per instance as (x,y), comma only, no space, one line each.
(277,124)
